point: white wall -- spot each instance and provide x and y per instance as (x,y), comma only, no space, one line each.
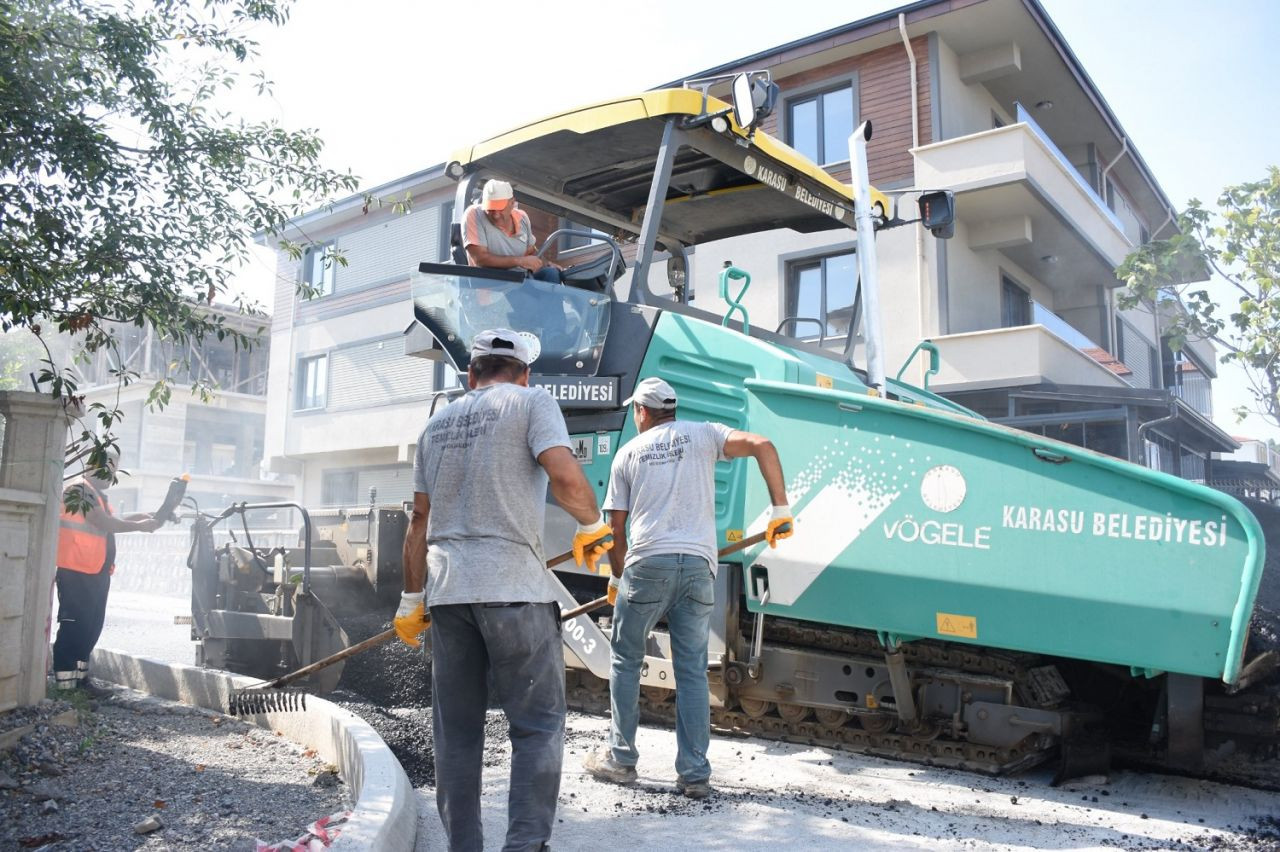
(765,256)
(965,108)
(973,283)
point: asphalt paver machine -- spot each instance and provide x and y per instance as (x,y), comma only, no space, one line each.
(957,592)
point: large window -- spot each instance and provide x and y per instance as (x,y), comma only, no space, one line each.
(1015,304)
(819,125)
(313,383)
(823,289)
(319,268)
(338,488)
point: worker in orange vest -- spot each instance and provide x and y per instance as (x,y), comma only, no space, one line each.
(86,560)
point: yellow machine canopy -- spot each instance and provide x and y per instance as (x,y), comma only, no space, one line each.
(601,161)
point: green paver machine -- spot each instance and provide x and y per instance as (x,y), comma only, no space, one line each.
(957,592)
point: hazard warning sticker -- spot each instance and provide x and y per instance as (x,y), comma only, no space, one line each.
(950,624)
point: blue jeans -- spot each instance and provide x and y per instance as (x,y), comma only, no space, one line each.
(679,586)
(513,651)
(549,274)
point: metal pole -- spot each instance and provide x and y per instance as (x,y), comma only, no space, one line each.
(866,235)
(640,292)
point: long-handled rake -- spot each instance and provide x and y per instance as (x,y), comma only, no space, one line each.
(273,697)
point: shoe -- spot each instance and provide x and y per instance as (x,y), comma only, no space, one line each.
(93,690)
(693,789)
(601,765)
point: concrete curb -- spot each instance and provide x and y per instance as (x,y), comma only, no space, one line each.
(385,815)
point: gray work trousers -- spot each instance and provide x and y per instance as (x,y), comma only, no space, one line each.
(513,649)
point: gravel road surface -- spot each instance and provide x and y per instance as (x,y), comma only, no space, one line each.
(135,772)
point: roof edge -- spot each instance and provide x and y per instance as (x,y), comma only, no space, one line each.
(355,201)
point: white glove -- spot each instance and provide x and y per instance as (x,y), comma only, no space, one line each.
(613,590)
(781,525)
(409,602)
(411,618)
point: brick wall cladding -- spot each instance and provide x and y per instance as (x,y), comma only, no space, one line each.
(884,97)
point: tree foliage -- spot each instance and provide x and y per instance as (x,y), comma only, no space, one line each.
(128,194)
(1240,244)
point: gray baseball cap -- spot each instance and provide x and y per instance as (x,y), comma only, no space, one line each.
(653,393)
(504,342)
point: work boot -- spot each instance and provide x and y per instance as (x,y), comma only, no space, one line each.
(693,789)
(94,689)
(601,765)
(65,682)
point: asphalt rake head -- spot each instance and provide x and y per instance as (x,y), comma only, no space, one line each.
(250,702)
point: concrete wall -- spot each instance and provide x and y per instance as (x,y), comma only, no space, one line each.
(964,108)
(31,463)
(1008,357)
(973,284)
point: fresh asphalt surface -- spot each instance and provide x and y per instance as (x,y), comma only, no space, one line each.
(772,795)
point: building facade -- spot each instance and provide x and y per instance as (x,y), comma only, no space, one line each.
(346,404)
(983,97)
(218,442)
(986,99)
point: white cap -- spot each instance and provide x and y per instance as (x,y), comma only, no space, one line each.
(504,342)
(653,393)
(496,195)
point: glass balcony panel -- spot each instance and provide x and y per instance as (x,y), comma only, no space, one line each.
(1024,117)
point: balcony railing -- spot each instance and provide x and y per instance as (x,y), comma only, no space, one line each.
(1024,117)
(1040,315)
(1197,392)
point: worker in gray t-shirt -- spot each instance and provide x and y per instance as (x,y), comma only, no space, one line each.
(473,556)
(663,482)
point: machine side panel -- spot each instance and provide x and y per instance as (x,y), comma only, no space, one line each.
(924,524)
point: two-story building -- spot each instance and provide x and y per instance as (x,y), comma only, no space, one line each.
(982,97)
(218,442)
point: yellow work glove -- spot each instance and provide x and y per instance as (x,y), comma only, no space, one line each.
(590,543)
(411,618)
(781,526)
(613,590)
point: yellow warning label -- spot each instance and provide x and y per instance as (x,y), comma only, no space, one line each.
(872,704)
(733,535)
(823,381)
(950,624)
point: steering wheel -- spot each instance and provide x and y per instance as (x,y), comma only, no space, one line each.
(615,259)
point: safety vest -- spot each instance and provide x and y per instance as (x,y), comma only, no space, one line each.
(82,546)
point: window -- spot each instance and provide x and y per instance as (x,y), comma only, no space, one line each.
(338,488)
(1015,304)
(445,231)
(819,125)
(313,383)
(446,378)
(823,289)
(319,268)
(1138,355)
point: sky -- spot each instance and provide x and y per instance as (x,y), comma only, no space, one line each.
(394,86)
